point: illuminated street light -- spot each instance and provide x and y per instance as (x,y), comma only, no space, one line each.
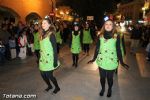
(56,9)
(67,12)
(144,11)
(64,13)
(61,12)
(143,8)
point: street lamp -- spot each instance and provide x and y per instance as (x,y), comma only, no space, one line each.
(67,12)
(143,8)
(61,12)
(52,4)
(144,11)
(56,9)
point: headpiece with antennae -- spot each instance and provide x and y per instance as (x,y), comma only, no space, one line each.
(50,21)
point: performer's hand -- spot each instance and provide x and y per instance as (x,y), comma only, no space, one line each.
(125,66)
(90,62)
(55,64)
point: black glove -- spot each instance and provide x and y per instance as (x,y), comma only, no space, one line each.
(91,61)
(125,66)
(55,64)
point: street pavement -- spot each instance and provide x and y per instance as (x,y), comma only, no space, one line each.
(82,83)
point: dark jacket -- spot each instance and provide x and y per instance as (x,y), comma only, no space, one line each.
(136,33)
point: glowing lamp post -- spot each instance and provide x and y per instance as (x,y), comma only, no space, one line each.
(144,11)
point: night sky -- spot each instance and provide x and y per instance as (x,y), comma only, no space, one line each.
(95,8)
(118,1)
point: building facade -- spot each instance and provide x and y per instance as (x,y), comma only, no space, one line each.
(24,10)
(131,11)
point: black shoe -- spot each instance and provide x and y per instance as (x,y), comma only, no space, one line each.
(109,93)
(56,90)
(102,92)
(76,65)
(48,88)
(73,64)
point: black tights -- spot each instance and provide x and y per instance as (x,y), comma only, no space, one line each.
(75,58)
(46,75)
(37,53)
(106,74)
(86,48)
(58,47)
(148,55)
